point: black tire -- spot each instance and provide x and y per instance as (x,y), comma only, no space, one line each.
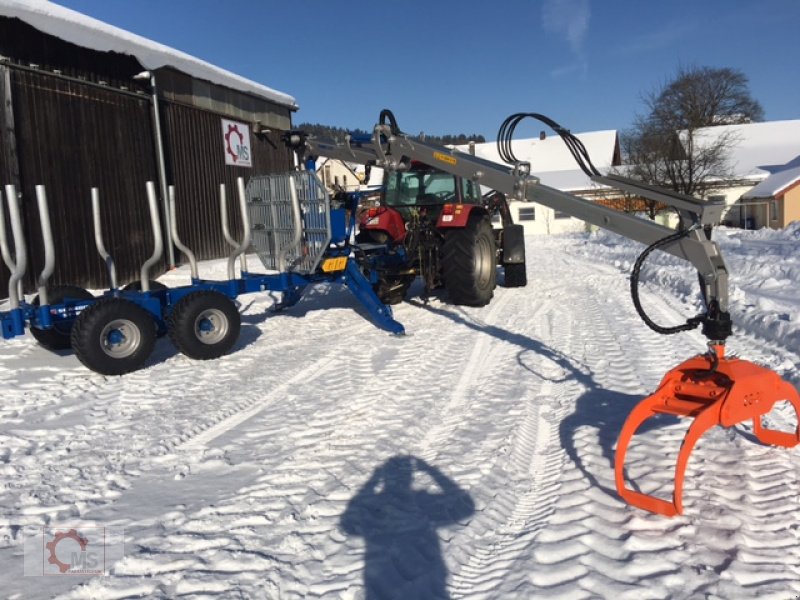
(136,286)
(393,291)
(469,258)
(58,337)
(113,336)
(515,275)
(204,325)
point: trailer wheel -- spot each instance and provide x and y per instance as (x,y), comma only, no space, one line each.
(136,286)
(468,263)
(204,325)
(515,275)
(58,337)
(113,336)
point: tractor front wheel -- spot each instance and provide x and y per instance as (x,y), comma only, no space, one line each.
(469,263)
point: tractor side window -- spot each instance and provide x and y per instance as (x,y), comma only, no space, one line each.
(402,189)
(472,193)
(439,187)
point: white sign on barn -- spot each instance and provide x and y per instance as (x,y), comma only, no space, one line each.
(236,143)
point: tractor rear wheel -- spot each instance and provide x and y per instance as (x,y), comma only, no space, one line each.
(113,336)
(469,258)
(204,325)
(58,336)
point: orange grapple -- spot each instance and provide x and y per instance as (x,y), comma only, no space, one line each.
(733,392)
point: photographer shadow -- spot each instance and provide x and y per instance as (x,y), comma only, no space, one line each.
(403,557)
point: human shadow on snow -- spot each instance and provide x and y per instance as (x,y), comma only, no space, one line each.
(598,408)
(398,521)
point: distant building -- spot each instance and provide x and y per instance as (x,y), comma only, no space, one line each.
(553,164)
(775,202)
(89,105)
(762,159)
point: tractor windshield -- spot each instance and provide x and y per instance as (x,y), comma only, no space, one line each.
(413,188)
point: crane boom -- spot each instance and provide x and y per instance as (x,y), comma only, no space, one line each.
(392,150)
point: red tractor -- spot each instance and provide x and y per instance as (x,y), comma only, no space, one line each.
(439,226)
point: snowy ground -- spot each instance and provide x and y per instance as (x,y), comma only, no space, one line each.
(470,458)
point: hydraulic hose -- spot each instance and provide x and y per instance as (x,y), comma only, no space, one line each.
(691,323)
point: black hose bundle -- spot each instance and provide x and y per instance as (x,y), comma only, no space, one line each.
(506,135)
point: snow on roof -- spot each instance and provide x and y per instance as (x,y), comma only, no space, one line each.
(551,154)
(87,32)
(759,149)
(551,160)
(775,183)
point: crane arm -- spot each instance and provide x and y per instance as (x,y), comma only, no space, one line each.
(392,150)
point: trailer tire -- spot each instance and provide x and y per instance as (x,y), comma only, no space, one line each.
(204,325)
(58,337)
(113,336)
(136,286)
(469,258)
(515,275)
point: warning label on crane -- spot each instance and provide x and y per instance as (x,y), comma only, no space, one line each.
(236,143)
(445,158)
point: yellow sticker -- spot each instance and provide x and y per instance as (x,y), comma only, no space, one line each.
(331,265)
(445,158)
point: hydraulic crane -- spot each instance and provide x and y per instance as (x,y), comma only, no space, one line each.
(710,388)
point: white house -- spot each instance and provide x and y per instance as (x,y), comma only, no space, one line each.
(758,150)
(553,164)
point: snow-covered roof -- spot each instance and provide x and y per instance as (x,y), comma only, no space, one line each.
(551,154)
(758,149)
(551,160)
(79,29)
(775,183)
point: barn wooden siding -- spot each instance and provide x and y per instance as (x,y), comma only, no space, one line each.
(196,166)
(72,135)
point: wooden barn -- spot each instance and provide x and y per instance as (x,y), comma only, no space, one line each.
(85,104)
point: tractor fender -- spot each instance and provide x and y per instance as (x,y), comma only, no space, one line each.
(384,219)
(513,244)
(456,215)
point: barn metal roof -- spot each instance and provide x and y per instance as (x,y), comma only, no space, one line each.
(79,29)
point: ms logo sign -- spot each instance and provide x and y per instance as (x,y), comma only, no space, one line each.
(236,144)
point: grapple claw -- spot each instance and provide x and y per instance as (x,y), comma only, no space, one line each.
(733,392)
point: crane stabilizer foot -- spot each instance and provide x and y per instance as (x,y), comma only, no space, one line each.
(734,391)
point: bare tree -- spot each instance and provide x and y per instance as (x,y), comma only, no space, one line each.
(670,148)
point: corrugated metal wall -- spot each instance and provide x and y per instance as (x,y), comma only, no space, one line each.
(196,165)
(70,137)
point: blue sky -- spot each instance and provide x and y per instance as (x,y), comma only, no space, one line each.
(446,66)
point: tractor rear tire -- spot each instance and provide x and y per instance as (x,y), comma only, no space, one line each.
(515,275)
(113,336)
(204,325)
(469,258)
(58,336)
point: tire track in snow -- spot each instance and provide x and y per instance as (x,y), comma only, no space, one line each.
(530,472)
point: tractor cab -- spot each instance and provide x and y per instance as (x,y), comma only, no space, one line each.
(426,187)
